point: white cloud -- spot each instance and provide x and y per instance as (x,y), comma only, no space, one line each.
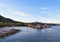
(47,20)
(43,8)
(4,5)
(17,13)
(45,11)
(26,20)
(51,12)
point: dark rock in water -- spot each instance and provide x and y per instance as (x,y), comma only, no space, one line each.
(7,33)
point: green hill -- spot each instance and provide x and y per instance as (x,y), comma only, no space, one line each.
(9,22)
(3,19)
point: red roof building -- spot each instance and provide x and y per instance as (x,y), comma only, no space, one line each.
(38,26)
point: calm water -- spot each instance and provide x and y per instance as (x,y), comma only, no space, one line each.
(28,34)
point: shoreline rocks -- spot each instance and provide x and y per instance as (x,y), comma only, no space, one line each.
(9,32)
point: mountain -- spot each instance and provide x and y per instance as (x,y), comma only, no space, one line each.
(3,19)
(35,23)
(9,22)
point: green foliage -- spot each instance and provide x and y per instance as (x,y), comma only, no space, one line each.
(8,22)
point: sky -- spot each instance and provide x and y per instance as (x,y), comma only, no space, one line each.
(47,11)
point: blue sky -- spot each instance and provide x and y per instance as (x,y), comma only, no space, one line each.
(47,11)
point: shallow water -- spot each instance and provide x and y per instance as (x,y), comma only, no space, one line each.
(28,34)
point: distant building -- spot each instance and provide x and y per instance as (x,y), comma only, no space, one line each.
(45,26)
(29,25)
(38,26)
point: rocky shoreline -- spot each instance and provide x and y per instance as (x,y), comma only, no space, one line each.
(9,32)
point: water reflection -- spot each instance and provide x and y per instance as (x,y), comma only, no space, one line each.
(28,34)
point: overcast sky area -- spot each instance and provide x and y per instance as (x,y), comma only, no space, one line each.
(47,11)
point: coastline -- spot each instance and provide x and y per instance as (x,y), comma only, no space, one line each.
(4,33)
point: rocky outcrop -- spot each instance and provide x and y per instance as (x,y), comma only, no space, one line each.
(9,32)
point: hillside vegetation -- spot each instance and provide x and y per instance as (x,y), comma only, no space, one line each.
(9,22)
